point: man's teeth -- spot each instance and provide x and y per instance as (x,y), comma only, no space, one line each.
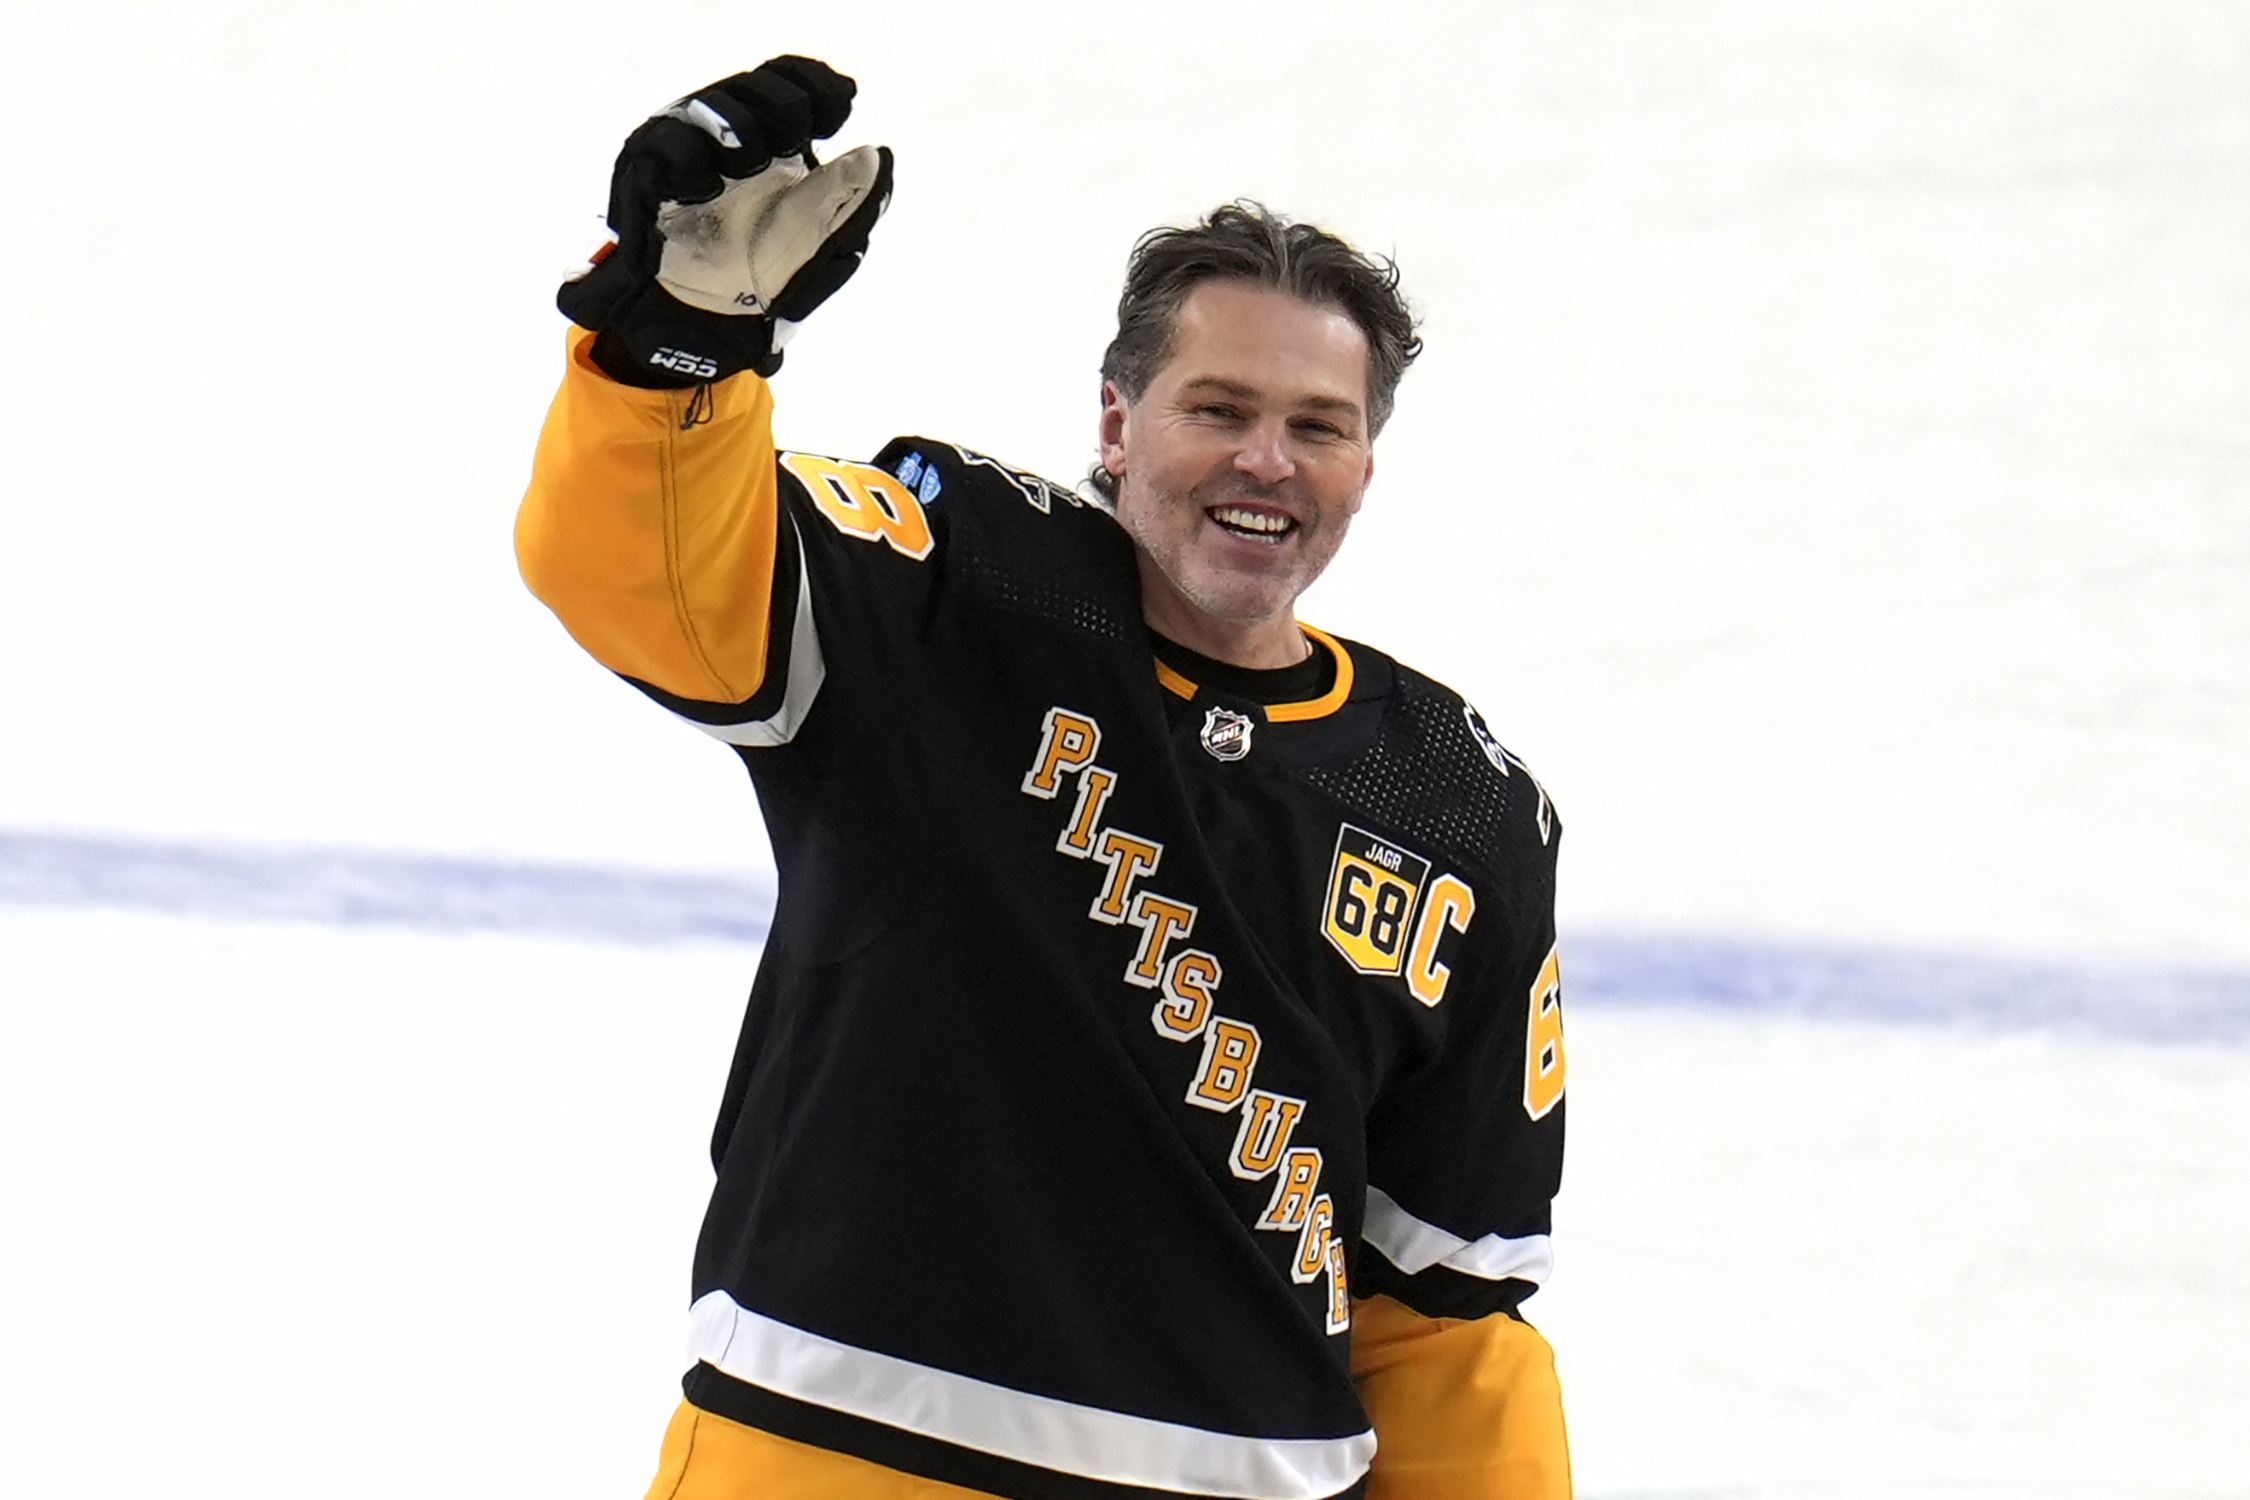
(1257,522)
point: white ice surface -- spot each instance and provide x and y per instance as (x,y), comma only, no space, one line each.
(1830,469)
(296,1209)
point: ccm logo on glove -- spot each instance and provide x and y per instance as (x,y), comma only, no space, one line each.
(680,363)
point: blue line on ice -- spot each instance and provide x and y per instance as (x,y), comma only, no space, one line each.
(1840,982)
(351,888)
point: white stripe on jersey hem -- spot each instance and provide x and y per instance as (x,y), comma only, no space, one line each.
(808,669)
(1414,1246)
(1038,1430)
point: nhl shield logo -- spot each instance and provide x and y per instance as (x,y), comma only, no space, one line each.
(1226,734)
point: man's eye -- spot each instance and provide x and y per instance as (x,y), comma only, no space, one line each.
(1219,410)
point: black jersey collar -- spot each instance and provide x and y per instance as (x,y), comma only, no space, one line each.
(1311,689)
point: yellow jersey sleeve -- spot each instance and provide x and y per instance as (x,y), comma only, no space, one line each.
(651,528)
(1464,1409)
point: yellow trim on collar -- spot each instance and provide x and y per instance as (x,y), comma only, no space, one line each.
(1328,702)
(1284,713)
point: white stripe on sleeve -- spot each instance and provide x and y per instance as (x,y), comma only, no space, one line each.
(1414,1246)
(808,669)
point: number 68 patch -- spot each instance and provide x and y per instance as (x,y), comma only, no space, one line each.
(1386,915)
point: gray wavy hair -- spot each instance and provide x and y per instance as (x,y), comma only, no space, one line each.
(1245,241)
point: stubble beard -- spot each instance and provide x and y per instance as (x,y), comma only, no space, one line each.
(1174,547)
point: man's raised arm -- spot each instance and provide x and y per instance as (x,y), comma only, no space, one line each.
(651,526)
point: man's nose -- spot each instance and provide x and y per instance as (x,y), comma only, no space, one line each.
(1264,454)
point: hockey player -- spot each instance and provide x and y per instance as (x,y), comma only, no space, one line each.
(1153,1080)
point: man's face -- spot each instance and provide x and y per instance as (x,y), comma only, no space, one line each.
(1241,466)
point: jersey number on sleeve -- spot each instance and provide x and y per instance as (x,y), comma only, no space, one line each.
(1543,1049)
(863,501)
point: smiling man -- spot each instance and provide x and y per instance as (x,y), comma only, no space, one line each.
(1152,1083)
(1237,466)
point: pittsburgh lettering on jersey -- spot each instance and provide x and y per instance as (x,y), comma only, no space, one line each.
(1385,914)
(1187,982)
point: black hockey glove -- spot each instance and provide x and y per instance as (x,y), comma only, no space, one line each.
(728,230)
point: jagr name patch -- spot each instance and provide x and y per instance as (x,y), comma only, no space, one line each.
(1373,889)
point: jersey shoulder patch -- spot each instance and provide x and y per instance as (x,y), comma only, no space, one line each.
(927,466)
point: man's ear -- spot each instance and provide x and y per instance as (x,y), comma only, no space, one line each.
(1116,412)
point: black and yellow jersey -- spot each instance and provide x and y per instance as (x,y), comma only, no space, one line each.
(1119,1036)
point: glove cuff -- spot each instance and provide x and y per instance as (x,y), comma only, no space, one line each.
(646,337)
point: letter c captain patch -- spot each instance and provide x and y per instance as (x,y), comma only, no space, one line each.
(1226,734)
